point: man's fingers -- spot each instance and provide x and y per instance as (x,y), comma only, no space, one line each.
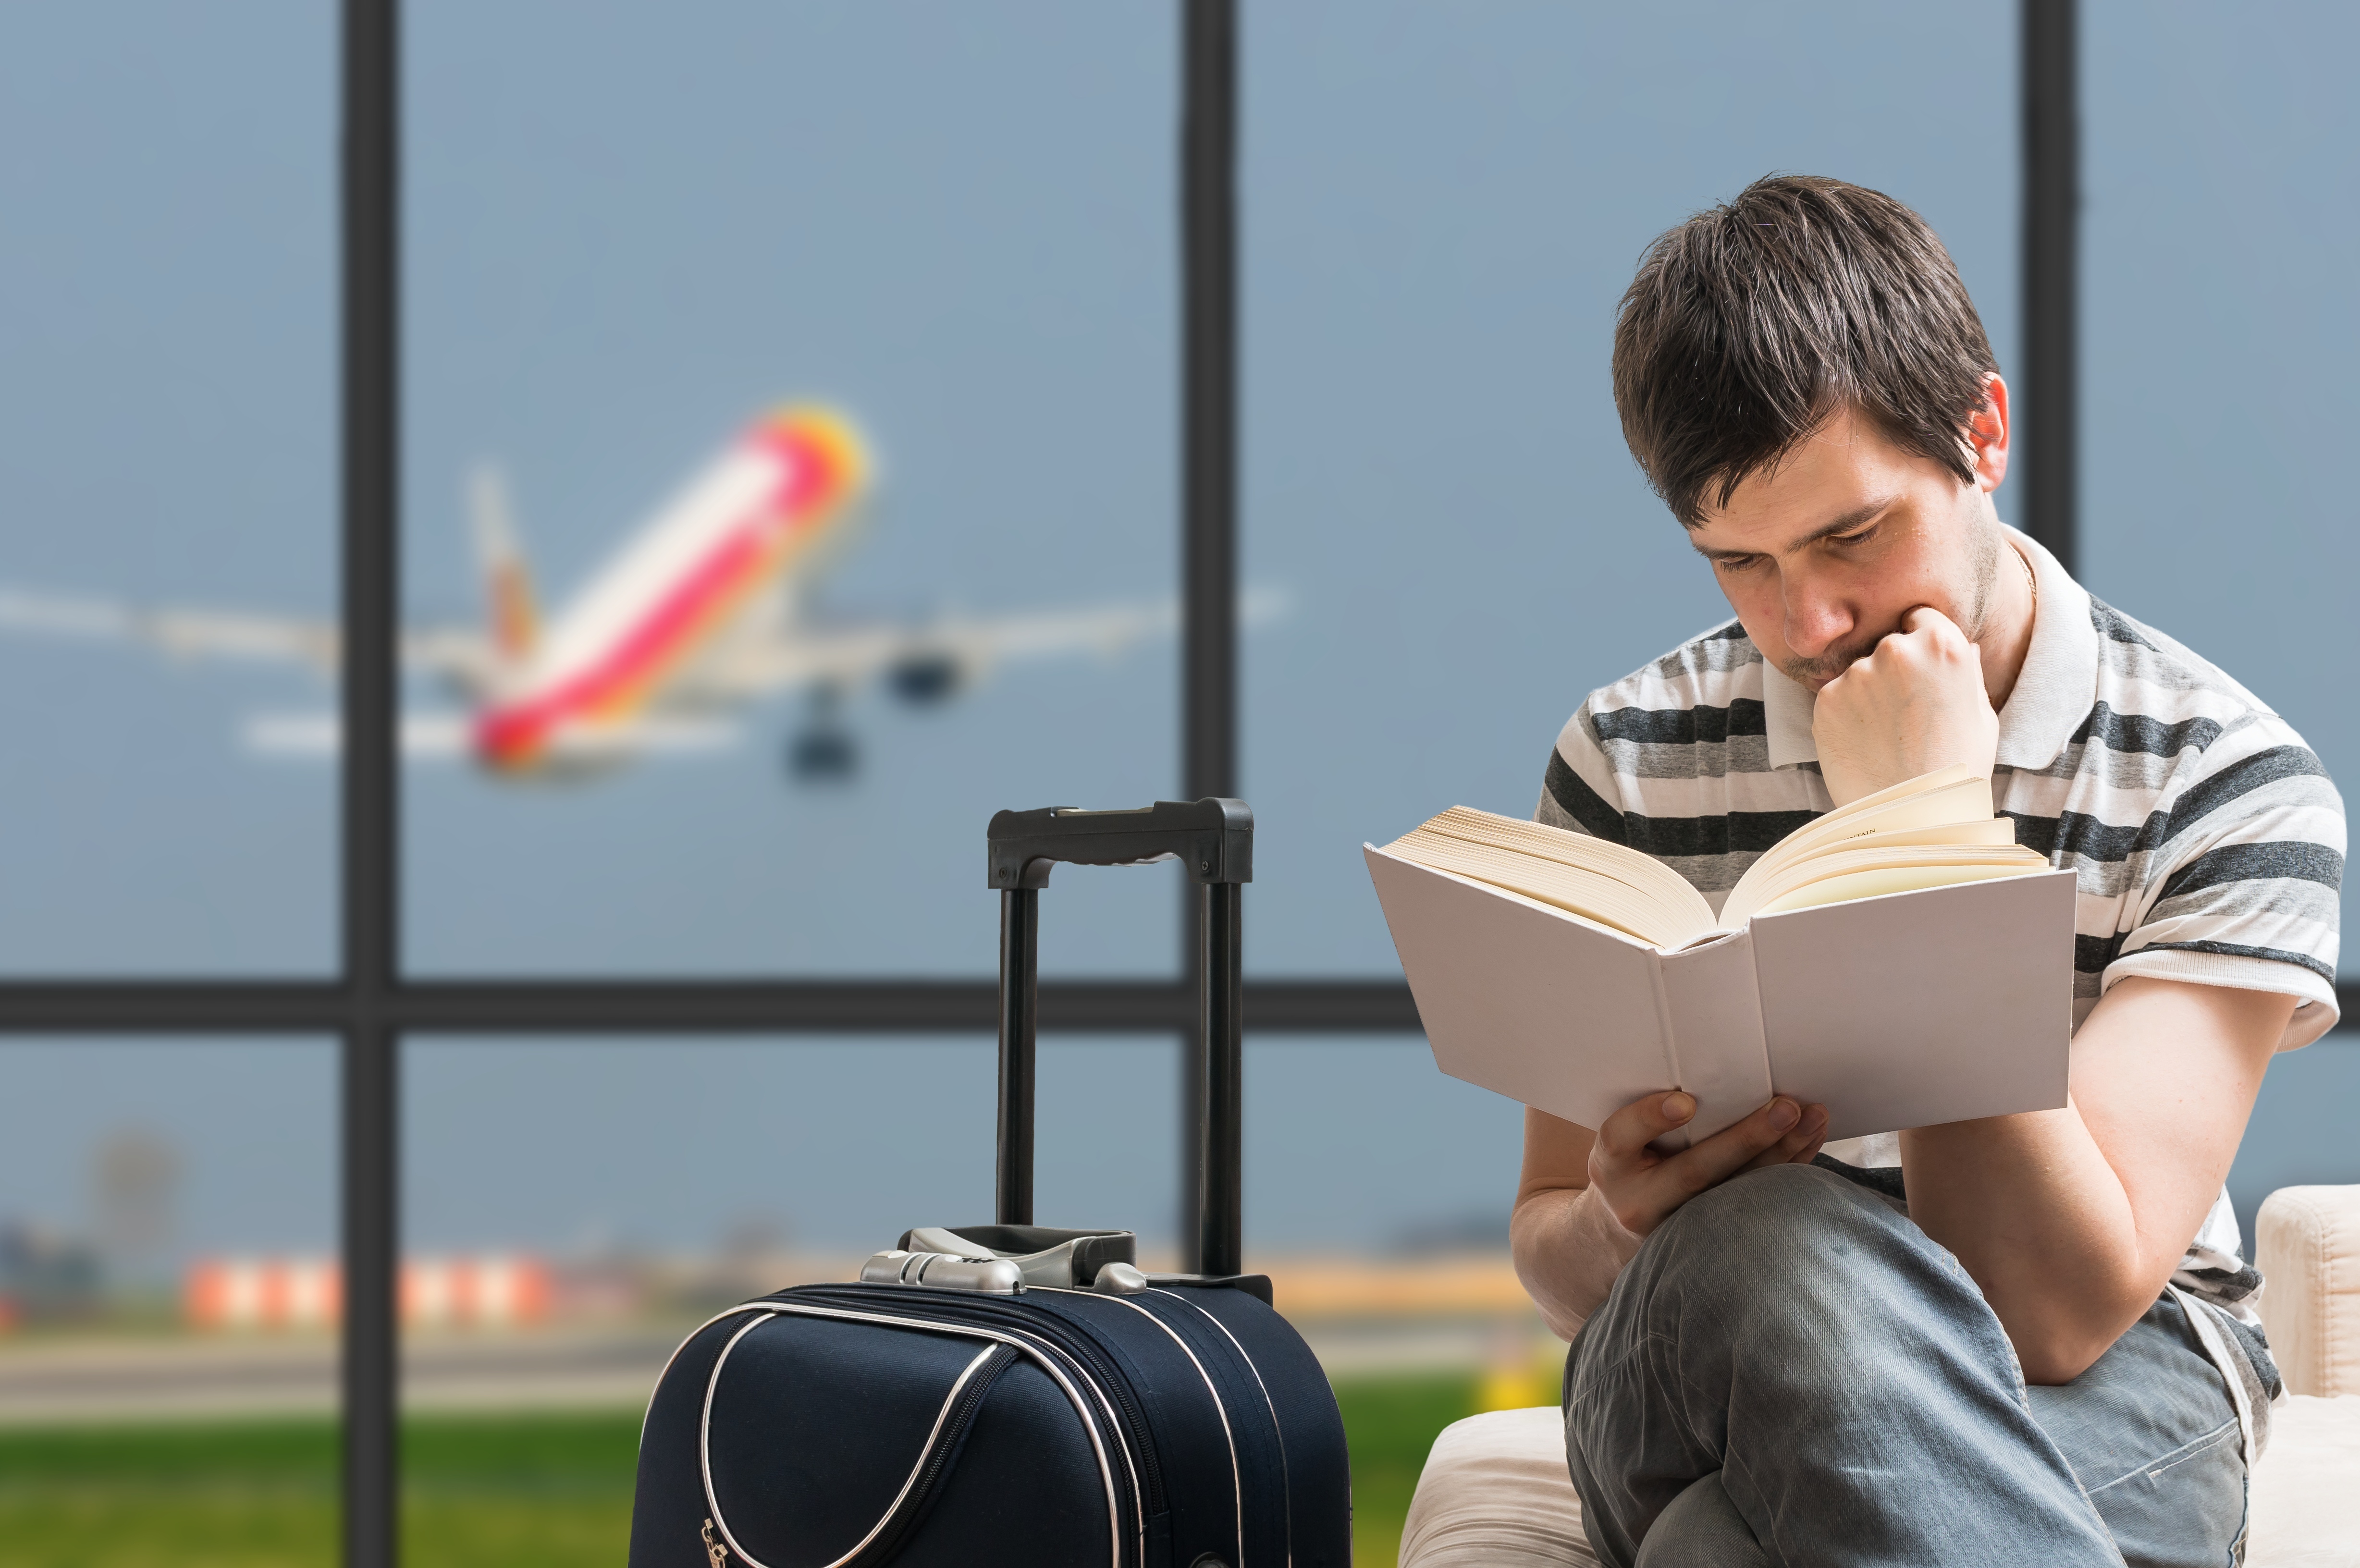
(1736,1146)
(1925,618)
(1799,1146)
(1642,1121)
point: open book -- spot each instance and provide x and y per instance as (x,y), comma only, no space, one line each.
(1900,959)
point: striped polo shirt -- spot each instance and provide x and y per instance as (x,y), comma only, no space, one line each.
(2207,838)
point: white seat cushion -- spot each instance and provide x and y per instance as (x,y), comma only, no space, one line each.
(2306,1500)
(2307,1245)
(1494,1493)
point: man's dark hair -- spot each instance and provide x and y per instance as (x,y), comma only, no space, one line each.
(1755,321)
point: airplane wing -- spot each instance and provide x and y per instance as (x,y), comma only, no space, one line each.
(932,659)
(443,735)
(458,653)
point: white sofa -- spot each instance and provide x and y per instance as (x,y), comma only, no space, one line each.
(1494,1492)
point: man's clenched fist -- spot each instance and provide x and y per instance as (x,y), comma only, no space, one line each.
(1911,704)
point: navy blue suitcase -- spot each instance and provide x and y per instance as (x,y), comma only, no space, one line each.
(956,1410)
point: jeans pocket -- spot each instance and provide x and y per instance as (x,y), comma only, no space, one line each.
(2154,1470)
(2182,1508)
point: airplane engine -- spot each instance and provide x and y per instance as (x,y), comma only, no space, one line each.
(922,679)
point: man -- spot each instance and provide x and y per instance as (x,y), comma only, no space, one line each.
(2020,1340)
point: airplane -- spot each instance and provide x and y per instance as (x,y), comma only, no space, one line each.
(702,612)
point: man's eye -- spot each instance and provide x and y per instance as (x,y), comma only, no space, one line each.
(1860,538)
(1734,563)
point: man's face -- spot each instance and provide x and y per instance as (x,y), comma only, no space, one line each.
(1822,556)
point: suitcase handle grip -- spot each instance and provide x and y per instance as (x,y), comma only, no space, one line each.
(1213,838)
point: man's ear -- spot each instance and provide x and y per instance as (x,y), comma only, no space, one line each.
(1987,434)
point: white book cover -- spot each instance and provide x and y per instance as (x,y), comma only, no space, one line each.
(1908,1010)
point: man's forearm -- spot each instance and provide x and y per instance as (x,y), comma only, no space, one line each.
(2040,1220)
(1568,1249)
(2071,1221)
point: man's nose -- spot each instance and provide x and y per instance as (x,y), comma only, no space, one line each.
(1816,620)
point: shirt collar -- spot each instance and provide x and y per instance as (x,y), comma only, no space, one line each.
(2052,694)
(1786,707)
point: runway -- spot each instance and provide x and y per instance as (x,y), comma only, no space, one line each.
(96,1381)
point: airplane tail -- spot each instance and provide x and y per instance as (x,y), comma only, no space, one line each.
(511,610)
(844,463)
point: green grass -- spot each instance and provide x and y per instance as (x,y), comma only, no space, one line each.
(519,1491)
(1391,1422)
(252,1495)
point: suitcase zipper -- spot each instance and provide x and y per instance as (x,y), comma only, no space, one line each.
(1277,1428)
(1221,1408)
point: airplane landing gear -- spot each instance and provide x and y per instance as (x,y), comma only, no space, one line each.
(823,756)
(823,750)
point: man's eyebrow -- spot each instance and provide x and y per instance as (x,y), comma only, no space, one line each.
(1839,525)
(1847,522)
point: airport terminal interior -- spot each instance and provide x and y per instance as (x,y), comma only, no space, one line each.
(464,921)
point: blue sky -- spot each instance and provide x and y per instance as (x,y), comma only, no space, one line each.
(629,232)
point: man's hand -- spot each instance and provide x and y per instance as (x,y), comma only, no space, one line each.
(1585,1195)
(1642,1188)
(1913,703)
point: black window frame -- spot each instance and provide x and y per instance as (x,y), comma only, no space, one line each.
(371,1005)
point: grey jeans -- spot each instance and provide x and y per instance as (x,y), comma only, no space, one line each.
(1792,1372)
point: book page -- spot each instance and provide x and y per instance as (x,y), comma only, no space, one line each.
(1566,847)
(1948,798)
(1868,856)
(1873,884)
(1925,783)
(1562,887)
(1991,831)
(1609,882)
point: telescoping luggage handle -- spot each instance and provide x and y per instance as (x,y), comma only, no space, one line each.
(1213,840)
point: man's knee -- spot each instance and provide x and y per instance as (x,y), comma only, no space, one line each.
(1701,1529)
(1793,1266)
(1783,1221)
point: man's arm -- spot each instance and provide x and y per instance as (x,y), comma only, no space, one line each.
(2071,1221)
(1586,1200)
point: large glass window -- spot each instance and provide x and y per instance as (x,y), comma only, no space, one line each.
(1439,216)
(168,498)
(787,663)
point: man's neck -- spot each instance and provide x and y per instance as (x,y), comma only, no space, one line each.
(2007,623)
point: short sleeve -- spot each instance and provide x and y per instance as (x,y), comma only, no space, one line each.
(1577,791)
(2242,887)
